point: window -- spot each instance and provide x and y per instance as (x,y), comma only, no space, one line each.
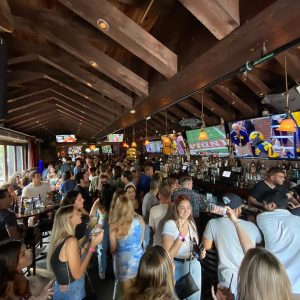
(10,160)
(19,158)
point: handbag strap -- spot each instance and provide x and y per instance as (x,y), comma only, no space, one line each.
(190,248)
(90,282)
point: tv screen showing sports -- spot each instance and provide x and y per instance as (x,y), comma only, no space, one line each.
(215,144)
(115,138)
(66,138)
(107,149)
(260,137)
(154,147)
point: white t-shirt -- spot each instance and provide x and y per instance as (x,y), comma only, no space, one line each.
(149,201)
(230,252)
(170,228)
(30,190)
(281,232)
(159,214)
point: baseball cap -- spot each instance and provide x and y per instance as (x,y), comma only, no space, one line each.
(232,200)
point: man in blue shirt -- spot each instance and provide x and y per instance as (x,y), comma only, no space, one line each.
(143,186)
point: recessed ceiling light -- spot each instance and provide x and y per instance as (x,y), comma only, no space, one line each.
(148,118)
(132,111)
(89,84)
(102,24)
(93,64)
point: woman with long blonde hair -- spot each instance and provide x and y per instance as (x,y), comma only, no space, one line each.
(126,236)
(263,277)
(155,276)
(64,255)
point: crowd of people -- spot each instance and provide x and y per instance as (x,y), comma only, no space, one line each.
(149,224)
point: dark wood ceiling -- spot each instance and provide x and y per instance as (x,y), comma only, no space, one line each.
(66,75)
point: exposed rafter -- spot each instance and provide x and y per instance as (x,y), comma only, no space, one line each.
(6,18)
(127,33)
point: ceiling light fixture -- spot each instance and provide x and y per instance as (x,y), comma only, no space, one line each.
(203,136)
(93,64)
(288,123)
(132,111)
(102,24)
(148,118)
(147,142)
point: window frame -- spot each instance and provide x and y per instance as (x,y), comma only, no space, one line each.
(5,154)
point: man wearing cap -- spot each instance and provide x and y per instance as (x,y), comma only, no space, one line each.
(222,234)
(281,234)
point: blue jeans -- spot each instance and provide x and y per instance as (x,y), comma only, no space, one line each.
(75,291)
(182,268)
(102,250)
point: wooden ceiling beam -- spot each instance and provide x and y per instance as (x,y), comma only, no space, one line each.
(233,99)
(169,115)
(92,97)
(177,112)
(292,65)
(36,117)
(210,104)
(79,47)
(79,74)
(48,120)
(127,33)
(15,79)
(196,112)
(218,16)
(6,17)
(255,84)
(281,17)
(94,119)
(78,117)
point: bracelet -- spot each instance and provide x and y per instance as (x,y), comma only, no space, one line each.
(91,250)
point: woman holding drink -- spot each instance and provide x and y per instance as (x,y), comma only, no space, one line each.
(64,255)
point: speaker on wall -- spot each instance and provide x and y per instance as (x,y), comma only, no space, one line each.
(3,87)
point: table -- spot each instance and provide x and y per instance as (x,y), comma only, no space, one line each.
(35,213)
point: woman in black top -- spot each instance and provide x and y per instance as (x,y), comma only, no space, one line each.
(64,255)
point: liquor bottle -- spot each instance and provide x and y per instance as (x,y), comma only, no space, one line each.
(33,207)
(16,207)
(253,168)
(22,207)
(39,201)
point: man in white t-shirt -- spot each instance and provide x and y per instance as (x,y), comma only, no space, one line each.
(37,187)
(160,213)
(150,200)
(222,234)
(281,231)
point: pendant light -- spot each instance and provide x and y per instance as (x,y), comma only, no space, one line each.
(288,123)
(203,136)
(133,144)
(147,142)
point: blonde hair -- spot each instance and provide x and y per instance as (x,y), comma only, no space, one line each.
(122,216)
(263,277)
(62,228)
(155,276)
(114,199)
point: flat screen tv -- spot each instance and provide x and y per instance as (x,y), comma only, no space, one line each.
(107,149)
(215,145)
(66,138)
(154,147)
(259,137)
(115,138)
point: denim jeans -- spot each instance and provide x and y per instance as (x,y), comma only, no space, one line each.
(182,268)
(75,291)
(102,250)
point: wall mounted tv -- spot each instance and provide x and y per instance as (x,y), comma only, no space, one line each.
(215,145)
(66,138)
(154,147)
(106,149)
(259,137)
(115,138)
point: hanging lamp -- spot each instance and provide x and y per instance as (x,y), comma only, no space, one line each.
(203,136)
(147,142)
(288,124)
(133,144)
